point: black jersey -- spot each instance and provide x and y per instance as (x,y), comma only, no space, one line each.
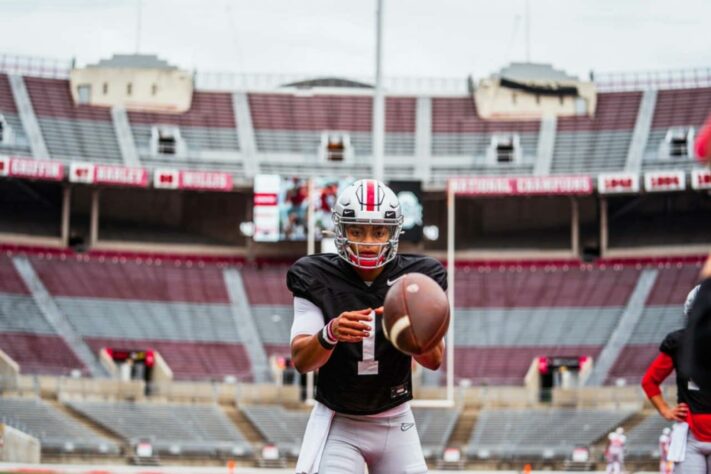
(696,357)
(688,391)
(347,383)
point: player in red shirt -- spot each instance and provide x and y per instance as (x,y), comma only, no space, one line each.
(694,399)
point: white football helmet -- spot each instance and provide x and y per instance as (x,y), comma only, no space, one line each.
(367,202)
(690,300)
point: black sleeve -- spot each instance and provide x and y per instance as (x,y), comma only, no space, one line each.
(670,344)
(437,272)
(300,279)
(697,338)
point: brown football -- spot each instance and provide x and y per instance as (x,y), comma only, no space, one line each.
(415,313)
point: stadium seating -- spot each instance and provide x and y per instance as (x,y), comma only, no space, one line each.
(555,286)
(72,132)
(285,427)
(55,430)
(288,127)
(643,439)
(597,144)
(8,109)
(274,327)
(286,123)
(208,127)
(135,280)
(173,429)
(531,434)
(435,426)
(10,281)
(266,285)
(662,314)
(505,316)
(675,108)
(23,329)
(457,130)
(279,426)
(181,311)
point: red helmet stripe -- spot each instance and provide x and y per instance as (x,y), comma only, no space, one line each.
(370,196)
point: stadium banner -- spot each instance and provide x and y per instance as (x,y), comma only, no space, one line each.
(166,178)
(205,181)
(29,168)
(701,179)
(617,183)
(660,181)
(266,207)
(108,174)
(294,202)
(192,180)
(522,186)
(81,173)
(409,193)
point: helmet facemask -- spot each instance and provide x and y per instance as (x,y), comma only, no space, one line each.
(354,251)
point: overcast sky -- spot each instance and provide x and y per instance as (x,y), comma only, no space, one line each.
(433,38)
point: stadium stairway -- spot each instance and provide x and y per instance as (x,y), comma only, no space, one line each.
(245,324)
(124,136)
(28,117)
(640,134)
(55,317)
(622,333)
(84,420)
(463,429)
(628,425)
(243,425)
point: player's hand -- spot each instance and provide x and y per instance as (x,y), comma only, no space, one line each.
(349,325)
(678,413)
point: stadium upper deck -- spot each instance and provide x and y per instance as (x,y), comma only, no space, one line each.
(430,134)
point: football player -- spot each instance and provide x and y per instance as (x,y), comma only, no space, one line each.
(665,465)
(694,405)
(362,415)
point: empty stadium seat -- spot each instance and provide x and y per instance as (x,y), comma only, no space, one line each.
(540,434)
(56,431)
(172,429)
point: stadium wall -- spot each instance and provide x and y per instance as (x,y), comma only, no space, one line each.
(16,446)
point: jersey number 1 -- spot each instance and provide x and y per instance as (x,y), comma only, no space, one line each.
(368,365)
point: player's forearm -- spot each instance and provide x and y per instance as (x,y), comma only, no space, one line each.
(432,359)
(308,354)
(661,406)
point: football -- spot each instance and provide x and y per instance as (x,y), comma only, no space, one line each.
(415,314)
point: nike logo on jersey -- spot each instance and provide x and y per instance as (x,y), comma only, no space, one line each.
(392,282)
(406,426)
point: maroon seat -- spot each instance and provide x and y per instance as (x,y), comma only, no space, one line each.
(52,98)
(10,281)
(673,284)
(132,280)
(681,107)
(536,287)
(614,111)
(7,101)
(329,112)
(459,115)
(208,109)
(40,354)
(266,285)
(633,362)
(190,360)
(508,365)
